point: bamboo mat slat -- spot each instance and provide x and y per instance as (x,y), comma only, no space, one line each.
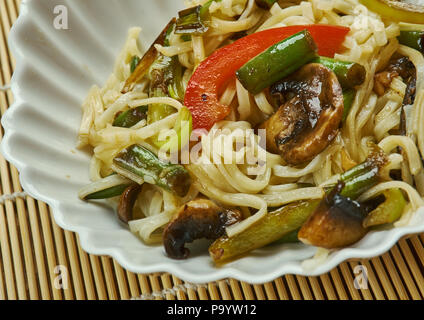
(38,260)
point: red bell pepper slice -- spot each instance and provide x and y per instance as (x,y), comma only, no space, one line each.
(201,96)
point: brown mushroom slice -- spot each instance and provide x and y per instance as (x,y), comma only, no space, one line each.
(336,223)
(197,219)
(308,121)
(127,201)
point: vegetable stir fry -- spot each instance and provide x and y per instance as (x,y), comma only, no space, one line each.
(256,123)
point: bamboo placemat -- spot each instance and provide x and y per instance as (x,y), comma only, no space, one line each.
(35,251)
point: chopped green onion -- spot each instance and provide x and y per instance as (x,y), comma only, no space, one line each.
(107,193)
(165,75)
(194,20)
(135,60)
(182,129)
(158,111)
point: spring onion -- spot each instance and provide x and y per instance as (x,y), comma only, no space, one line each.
(165,80)
(190,22)
(108,187)
(182,131)
(272,227)
(350,74)
(395,10)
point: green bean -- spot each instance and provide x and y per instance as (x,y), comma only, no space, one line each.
(190,22)
(358,179)
(348,98)
(413,39)
(364,175)
(376,159)
(355,186)
(186,37)
(277,62)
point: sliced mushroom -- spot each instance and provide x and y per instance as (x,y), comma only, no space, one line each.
(127,201)
(310,114)
(398,66)
(200,218)
(336,223)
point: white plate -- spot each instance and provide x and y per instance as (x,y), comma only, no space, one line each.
(55,69)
